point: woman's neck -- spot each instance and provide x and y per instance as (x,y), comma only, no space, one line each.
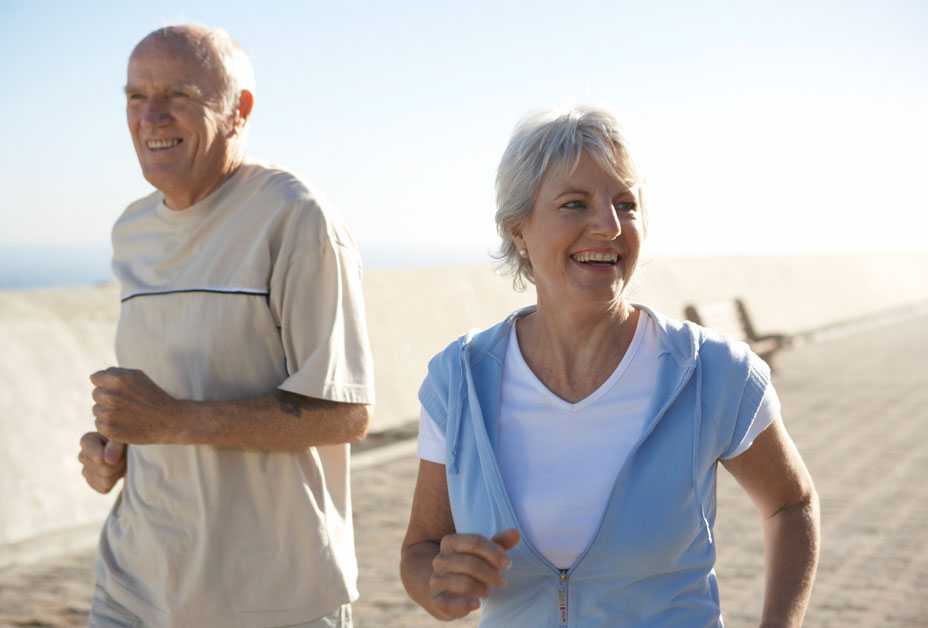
(573,350)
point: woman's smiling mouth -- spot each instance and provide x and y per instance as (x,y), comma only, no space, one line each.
(596,258)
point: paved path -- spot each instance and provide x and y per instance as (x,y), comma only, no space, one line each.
(857,407)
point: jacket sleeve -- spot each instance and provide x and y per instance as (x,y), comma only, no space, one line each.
(733,383)
(434,393)
(752,394)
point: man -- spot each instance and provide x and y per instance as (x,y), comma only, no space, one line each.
(244,369)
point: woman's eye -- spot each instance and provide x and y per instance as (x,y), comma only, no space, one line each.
(574,205)
(626,206)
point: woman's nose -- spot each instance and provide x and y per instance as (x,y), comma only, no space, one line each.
(606,223)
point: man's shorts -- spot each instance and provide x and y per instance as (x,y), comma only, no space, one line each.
(105,612)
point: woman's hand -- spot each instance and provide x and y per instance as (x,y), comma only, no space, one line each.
(447,573)
(466,567)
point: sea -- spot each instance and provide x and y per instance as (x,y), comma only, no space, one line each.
(28,266)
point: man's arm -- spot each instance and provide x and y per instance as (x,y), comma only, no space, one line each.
(130,408)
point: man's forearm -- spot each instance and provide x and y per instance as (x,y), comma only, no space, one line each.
(791,545)
(281,421)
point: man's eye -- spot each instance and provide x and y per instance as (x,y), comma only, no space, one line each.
(179,94)
(134,97)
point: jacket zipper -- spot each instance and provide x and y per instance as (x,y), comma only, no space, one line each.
(564,574)
(562,596)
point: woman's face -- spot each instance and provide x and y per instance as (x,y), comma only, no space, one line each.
(583,235)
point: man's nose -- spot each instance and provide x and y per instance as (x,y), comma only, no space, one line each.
(156,111)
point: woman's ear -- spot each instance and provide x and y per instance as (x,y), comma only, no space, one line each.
(519,242)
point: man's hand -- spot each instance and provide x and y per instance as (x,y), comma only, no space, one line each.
(130,408)
(104,461)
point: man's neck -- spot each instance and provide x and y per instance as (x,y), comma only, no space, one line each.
(181,200)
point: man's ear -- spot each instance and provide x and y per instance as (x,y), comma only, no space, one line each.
(246,102)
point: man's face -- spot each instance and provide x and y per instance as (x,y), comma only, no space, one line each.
(182,136)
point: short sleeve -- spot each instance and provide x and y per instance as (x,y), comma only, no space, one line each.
(435,391)
(432,445)
(748,405)
(319,302)
(766,414)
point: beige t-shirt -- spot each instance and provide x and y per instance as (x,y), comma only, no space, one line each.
(253,288)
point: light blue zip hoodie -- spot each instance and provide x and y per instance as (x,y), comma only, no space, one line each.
(651,563)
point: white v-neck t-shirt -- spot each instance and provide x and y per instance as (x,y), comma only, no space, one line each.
(559,460)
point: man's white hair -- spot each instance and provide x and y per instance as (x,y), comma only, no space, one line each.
(217,51)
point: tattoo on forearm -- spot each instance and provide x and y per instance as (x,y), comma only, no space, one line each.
(290,403)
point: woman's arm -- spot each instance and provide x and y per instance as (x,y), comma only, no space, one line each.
(772,472)
(447,573)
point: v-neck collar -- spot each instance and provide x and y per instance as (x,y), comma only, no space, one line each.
(514,352)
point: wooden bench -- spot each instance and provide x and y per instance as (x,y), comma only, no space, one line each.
(731,319)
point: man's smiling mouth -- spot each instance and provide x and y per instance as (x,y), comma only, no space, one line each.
(163,144)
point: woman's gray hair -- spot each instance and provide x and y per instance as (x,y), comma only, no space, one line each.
(544,141)
(217,51)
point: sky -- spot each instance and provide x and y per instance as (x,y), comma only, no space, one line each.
(761,127)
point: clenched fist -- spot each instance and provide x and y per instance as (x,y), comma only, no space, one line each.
(130,408)
(104,461)
(466,568)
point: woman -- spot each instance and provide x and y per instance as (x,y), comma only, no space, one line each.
(568,454)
